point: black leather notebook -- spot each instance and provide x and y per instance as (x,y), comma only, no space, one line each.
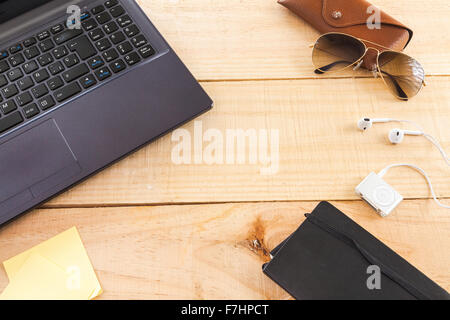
(328,258)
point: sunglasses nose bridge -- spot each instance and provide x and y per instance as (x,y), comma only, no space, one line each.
(371,59)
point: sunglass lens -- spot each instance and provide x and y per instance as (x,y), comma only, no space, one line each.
(335,51)
(403,75)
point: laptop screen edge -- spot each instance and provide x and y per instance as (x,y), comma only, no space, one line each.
(32,18)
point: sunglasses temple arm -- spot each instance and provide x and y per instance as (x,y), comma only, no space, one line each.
(400,91)
(324,69)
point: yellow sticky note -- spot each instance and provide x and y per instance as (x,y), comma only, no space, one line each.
(66,251)
(41,279)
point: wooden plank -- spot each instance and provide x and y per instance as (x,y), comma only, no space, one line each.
(216,251)
(259,39)
(323,156)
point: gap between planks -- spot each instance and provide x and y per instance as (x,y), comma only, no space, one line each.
(303,78)
(164,204)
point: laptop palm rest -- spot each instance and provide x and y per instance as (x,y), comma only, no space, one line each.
(33,163)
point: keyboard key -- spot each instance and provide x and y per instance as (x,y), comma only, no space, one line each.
(117,37)
(39,91)
(15,48)
(30,110)
(67,91)
(24,98)
(9,91)
(16,60)
(125,47)
(55,83)
(3,54)
(103,17)
(88,81)
(84,16)
(146,51)
(45,59)
(131,31)
(71,24)
(110,3)
(43,35)
(110,55)
(30,67)
(110,27)
(67,35)
(46,103)
(32,52)
(88,25)
(56,68)
(71,60)
(8,106)
(3,81)
(96,34)
(103,73)
(41,75)
(46,45)
(139,41)
(25,83)
(57,29)
(83,47)
(60,52)
(4,66)
(95,63)
(103,44)
(15,74)
(117,66)
(124,21)
(98,9)
(29,42)
(75,72)
(132,58)
(117,11)
(10,121)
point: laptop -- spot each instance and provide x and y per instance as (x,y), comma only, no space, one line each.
(75,100)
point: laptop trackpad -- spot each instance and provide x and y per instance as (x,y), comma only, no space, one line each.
(35,161)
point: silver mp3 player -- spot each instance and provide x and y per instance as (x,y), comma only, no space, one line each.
(379,194)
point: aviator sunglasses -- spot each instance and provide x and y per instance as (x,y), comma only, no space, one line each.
(403,75)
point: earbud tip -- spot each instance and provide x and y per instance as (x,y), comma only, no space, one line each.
(396,136)
(364,124)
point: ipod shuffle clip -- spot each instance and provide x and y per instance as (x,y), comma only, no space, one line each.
(379,194)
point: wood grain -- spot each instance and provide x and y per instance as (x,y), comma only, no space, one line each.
(260,39)
(200,246)
(323,156)
(216,251)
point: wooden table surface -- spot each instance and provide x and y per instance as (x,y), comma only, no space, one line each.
(157,230)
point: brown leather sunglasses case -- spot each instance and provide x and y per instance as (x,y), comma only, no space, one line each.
(351,17)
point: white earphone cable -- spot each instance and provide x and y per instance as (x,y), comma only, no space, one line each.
(421,171)
(429,137)
(415,124)
(438,145)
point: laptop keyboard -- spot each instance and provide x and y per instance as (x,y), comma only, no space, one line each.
(41,72)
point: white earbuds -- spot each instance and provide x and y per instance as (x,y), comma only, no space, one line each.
(396,136)
(367,123)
